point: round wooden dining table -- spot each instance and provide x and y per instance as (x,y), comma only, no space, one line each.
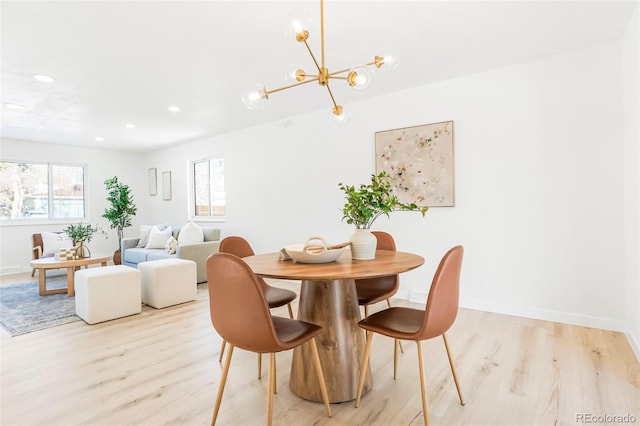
(328,298)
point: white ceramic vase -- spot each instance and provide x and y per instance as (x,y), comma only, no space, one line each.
(363,245)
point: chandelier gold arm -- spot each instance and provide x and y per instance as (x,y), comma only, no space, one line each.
(267,92)
(312,55)
(322,31)
(332,98)
(378,62)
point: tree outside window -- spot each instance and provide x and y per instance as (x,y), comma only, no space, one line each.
(41,191)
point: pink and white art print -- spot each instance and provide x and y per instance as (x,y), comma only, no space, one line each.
(419,162)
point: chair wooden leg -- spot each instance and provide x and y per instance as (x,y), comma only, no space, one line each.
(224,342)
(423,389)
(453,368)
(259,366)
(323,386)
(223,381)
(366,311)
(272,380)
(290,310)
(396,343)
(363,368)
(275,375)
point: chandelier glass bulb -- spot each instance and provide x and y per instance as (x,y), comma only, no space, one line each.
(255,98)
(295,74)
(298,28)
(390,62)
(340,116)
(360,77)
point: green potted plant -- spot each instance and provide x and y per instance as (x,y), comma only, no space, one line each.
(121,211)
(80,234)
(364,205)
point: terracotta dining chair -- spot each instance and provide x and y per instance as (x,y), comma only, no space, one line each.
(374,290)
(276,297)
(418,325)
(241,315)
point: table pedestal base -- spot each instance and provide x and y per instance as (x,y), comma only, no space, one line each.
(333,304)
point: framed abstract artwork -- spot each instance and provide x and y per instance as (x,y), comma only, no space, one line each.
(419,162)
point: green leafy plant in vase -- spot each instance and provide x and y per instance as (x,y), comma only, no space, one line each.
(81,234)
(121,211)
(364,205)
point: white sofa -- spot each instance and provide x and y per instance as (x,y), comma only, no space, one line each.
(132,255)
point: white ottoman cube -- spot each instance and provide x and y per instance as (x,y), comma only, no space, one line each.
(107,293)
(168,282)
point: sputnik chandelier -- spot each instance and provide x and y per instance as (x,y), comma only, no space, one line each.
(358,77)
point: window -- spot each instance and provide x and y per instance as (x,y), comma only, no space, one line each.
(208,188)
(41,191)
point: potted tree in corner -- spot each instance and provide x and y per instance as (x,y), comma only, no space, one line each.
(364,205)
(121,212)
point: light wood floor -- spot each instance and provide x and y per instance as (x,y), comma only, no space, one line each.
(161,368)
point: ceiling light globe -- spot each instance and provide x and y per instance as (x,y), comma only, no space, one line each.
(43,78)
(390,62)
(295,74)
(256,97)
(360,77)
(340,116)
(11,105)
(298,27)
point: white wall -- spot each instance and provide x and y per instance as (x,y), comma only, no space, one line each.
(540,183)
(15,241)
(631,99)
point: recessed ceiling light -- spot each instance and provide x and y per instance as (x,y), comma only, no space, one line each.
(43,78)
(174,108)
(130,126)
(99,138)
(14,106)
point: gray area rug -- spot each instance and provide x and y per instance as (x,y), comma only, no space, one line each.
(23,310)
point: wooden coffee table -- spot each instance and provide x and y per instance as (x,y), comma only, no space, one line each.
(51,263)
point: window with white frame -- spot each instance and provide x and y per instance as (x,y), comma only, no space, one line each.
(208,188)
(30,190)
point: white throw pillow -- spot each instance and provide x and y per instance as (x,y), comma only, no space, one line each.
(171,245)
(190,234)
(158,238)
(52,241)
(144,235)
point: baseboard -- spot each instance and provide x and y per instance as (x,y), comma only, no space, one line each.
(14,270)
(634,343)
(544,315)
(534,313)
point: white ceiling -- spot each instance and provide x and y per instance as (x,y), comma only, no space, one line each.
(119,62)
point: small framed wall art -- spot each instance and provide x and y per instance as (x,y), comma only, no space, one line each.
(419,162)
(153,181)
(166,185)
